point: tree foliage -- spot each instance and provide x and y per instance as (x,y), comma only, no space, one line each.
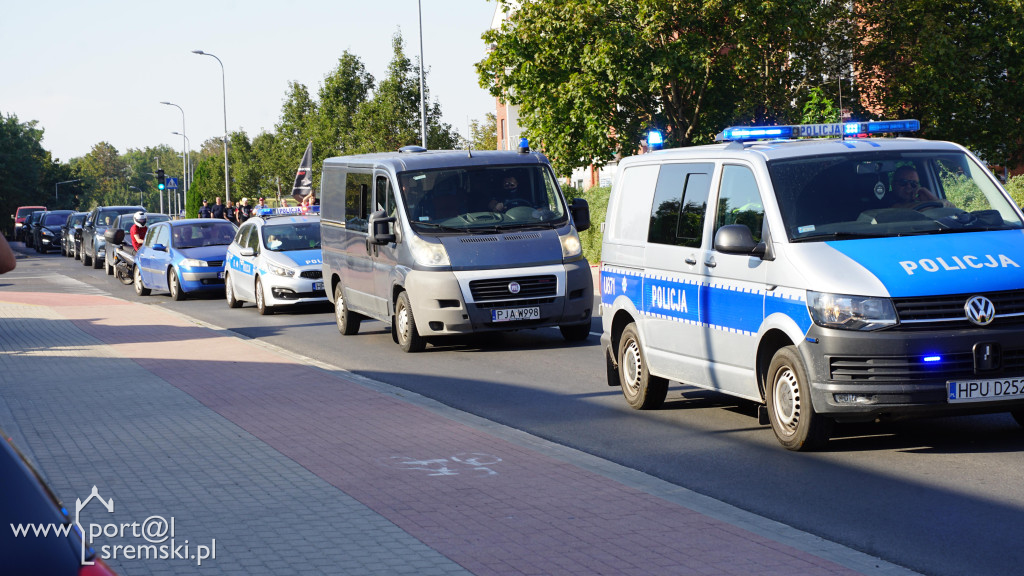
(483,135)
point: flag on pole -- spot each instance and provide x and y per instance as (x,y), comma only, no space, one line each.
(304,176)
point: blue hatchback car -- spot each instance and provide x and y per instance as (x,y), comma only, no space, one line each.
(183,257)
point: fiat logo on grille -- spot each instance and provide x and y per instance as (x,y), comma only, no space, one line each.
(980,310)
(514,288)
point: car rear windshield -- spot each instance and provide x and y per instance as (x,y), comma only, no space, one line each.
(481,199)
(877,194)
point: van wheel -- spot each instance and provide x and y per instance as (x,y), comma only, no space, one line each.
(229,293)
(405,326)
(261,299)
(137,278)
(642,391)
(793,419)
(575,332)
(174,285)
(348,322)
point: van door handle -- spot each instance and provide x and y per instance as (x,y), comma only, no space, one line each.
(710,262)
(691,261)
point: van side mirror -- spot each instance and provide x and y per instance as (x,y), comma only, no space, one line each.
(382,228)
(737,239)
(580,211)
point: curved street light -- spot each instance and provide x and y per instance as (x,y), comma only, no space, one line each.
(224,92)
(184,150)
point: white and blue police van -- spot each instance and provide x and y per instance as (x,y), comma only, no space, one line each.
(275,260)
(848,278)
(447,242)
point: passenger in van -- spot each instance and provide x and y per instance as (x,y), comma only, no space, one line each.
(908,190)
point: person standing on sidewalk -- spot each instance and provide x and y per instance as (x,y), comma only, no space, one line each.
(217,209)
(230,213)
(204,211)
(244,211)
(7,260)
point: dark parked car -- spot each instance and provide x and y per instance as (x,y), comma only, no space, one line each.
(48,233)
(124,222)
(69,231)
(96,223)
(28,500)
(29,230)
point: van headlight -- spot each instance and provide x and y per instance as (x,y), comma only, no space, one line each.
(845,312)
(571,247)
(427,253)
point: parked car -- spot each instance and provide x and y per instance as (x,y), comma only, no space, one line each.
(183,257)
(19,220)
(47,234)
(28,500)
(124,222)
(96,223)
(69,230)
(28,231)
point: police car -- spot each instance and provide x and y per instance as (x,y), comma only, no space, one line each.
(845,278)
(275,260)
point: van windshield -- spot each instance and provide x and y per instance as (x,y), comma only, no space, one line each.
(481,199)
(887,194)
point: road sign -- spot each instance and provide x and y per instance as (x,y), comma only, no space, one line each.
(172,182)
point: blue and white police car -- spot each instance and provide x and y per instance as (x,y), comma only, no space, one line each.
(827,273)
(275,260)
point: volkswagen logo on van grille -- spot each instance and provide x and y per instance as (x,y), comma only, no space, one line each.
(514,288)
(980,310)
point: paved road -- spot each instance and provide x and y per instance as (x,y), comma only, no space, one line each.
(940,496)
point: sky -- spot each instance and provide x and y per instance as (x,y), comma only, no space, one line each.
(97,71)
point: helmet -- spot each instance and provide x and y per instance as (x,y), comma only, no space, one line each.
(140,218)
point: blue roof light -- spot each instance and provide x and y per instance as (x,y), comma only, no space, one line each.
(289,210)
(836,130)
(655,138)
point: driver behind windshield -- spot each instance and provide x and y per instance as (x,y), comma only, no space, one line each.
(510,197)
(909,192)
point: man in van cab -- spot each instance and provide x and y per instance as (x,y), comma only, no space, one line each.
(510,197)
(909,192)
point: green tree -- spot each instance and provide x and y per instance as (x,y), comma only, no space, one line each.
(954,65)
(591,76)
(23,164)
(819,108)
(483,135)
(343,90)
(208,184)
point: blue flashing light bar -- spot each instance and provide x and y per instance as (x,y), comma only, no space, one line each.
(837,130)
(289,211)
(655,138)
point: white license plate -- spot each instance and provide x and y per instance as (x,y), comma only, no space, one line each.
(513,314)
(985,390)
(318,285)
(220,274)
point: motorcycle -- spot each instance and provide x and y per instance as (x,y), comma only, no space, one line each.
(124,259)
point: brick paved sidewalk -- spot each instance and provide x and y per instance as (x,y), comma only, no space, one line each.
(299,468)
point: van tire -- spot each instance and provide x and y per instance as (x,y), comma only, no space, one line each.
(788,397)
(348,321)
(641,390)
(575,332)
(405,326)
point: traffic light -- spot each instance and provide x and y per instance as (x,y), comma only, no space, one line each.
(161,180)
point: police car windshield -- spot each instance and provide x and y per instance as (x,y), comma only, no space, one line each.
(887,194)
(288,237)
(481,199)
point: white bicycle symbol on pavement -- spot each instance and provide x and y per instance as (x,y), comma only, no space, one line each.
(451,466)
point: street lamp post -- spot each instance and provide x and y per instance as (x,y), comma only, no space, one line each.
(423,105)
(224,92)
(188,166)
(184,150)
(59,183)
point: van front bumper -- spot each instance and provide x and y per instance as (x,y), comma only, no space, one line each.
(901,373)
(440,307)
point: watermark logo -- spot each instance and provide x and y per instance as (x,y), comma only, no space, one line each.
(151,539)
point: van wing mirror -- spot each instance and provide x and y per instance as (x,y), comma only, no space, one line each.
(580,214)
(382,228)
(737,239)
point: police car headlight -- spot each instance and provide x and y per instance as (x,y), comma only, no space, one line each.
(281,270)
(193,263)
(845,312)
(427,253)
(571,247)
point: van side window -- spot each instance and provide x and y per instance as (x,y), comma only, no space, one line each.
(680,202)
(385,196)
(739,201)
(357,201)
(332,194)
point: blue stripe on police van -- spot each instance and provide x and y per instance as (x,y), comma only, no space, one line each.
(937,264)
(728,308)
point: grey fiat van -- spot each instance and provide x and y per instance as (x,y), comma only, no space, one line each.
(443,242)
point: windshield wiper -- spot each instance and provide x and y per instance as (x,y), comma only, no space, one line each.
(444,228)
(839,236)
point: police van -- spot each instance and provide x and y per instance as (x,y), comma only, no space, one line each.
(275,261)
(847,278)
(442,242)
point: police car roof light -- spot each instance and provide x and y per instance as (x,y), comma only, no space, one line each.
(836,130)
(289,211)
